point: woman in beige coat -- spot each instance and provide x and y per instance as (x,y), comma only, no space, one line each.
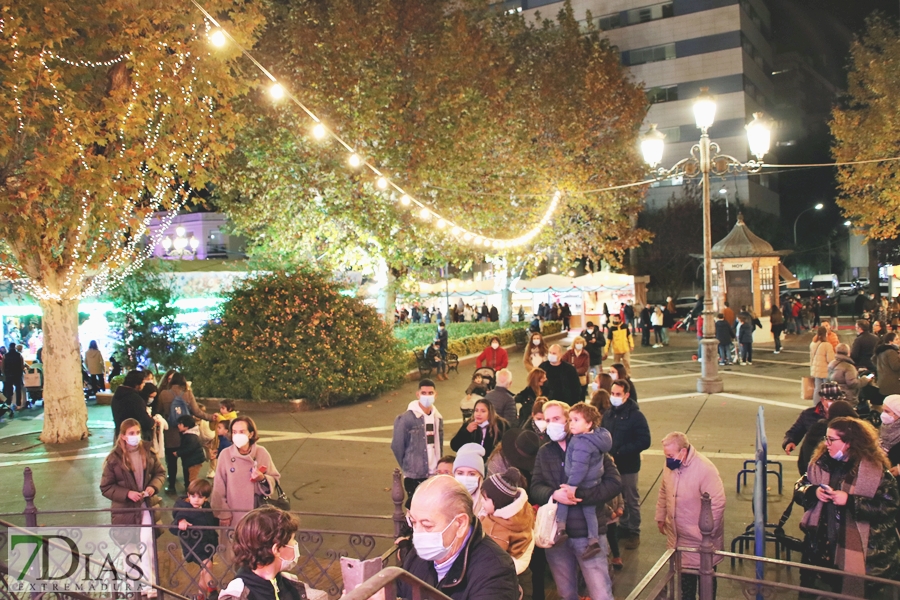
(244,470)
(687,477)
(821,353)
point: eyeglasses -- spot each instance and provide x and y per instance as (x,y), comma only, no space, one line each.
(828,441)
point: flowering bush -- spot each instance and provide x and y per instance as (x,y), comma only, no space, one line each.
(282,336)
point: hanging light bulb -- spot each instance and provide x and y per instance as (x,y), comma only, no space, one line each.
(382,183)
(405,200)
(217,38)
(276,91)
(467,236)
(441,223)
(319,132)
(354,160)
(425,214)
(456,230)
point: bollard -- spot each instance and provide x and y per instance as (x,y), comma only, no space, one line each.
(707,548)
(399,517)
(29,492)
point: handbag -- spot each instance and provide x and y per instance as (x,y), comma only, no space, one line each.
(788,541)
(807,387)
(545,525)
(32,380)
(276,498)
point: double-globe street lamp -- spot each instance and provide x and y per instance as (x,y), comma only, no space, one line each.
(705,160)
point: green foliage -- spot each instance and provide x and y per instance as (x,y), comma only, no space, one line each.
(868,126)
(417,336)
(282,336)
(115,382)
(144,328)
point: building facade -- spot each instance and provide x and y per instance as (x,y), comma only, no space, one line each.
(674,48)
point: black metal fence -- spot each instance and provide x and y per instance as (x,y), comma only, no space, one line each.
(177,568)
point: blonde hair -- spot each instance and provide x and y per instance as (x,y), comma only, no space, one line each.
(676,438)
(558,403)
(578,340)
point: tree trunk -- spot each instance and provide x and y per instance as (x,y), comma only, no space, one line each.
(874,283)
(387,297)
(502,276)
(65,412)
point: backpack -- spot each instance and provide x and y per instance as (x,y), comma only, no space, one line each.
(178,409)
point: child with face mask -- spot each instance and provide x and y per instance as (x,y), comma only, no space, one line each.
(468,469)
(584,468)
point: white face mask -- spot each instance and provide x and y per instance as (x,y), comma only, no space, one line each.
(429,545)
(616,400)
(536,342)
(579,346)
(134,440)
(614,374)
(552,358)
(887,419)
(240,439)
(556,431)
(495,345)
(590,330)
(287,565)
(595,386)
(426,400)
(470,482)
(542,425)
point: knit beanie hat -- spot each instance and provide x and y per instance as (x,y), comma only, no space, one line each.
(502,488)
(830,391)
(471,456)
(893,403)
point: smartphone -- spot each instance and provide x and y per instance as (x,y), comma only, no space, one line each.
(827,488)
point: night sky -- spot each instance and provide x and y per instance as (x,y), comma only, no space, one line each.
(823,31)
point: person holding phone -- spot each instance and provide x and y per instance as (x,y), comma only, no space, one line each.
(842,370)
(851,502)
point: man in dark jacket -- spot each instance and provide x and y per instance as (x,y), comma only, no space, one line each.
(595,343)
(725,337)
(863,348)
(631,436)
(809,417)
(549,480)
(450,551)
(13,374)
(128,404)
(887,365)
(503,400)
(562,378)
(645,326)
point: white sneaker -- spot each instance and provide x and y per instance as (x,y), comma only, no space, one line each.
(777,352)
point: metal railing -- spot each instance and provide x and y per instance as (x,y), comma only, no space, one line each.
(664,579)
(176,556)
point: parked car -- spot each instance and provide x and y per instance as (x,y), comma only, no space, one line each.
(684,305)
(847,288)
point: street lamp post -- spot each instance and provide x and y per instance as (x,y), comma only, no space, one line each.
(818,206)
(705,159)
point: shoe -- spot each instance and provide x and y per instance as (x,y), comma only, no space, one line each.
(777,352)
(721,364)
(617,563)
(561,536)
(171,491)
(748,363)
(592,550)
(632,542)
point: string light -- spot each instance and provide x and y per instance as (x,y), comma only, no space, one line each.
(425,214)
(217,38)
(319,132)
(277,91)
(405,200)
(382,183)
(354,160)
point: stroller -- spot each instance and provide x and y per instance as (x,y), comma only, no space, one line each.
(483,381)
(687,323)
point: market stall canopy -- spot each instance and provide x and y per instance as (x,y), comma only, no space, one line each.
(459,287)
(790,281)
(546,283)
(602,281)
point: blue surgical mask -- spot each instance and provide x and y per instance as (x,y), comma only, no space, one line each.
(426,400)
(616,400)
(839,455)
(556,431)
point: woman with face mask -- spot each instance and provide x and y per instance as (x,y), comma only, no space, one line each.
(244,471)
(851,504)
(889,434)
(266,551)
(578,357)
(485,428)
(536,352)
(131,479)
(468,469)
(533,390)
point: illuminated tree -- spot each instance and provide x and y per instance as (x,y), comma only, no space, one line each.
(110,111)
(479,114)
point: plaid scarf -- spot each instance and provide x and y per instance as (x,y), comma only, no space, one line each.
(851,555)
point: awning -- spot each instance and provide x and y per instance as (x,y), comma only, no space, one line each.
(789,280)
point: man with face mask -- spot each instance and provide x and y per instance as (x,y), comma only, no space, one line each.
(631,436)
(562,378)
(594,344)
(548,481)
(450,551)
(620,343)
(687,476)
(418,440)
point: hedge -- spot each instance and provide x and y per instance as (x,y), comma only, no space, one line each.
(283,336)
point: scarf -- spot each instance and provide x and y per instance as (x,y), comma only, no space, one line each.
(850,555)
(890,435)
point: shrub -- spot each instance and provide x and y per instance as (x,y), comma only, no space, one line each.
(115,382)
(281,336)
(417,336)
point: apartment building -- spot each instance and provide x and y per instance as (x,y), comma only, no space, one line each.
(674,48)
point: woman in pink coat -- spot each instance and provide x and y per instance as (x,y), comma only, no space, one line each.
(687,477)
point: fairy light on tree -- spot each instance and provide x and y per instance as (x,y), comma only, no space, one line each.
(125,116)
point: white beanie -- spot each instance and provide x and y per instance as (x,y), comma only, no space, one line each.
(892,402)
(472,456)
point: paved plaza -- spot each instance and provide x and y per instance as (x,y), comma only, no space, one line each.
(339,460)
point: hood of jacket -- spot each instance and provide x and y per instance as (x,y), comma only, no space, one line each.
(841,358)
(510,511)
(599,437)
(884,348)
